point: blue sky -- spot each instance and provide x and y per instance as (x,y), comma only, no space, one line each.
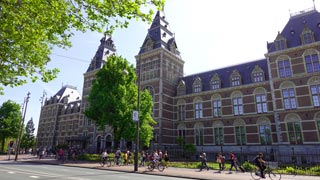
(209,34)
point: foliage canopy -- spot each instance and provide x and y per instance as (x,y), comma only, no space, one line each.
(30,29)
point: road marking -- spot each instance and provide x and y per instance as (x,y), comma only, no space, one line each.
(11,172)
(36,177)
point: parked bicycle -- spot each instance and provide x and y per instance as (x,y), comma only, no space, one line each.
(272,174)
(159,165)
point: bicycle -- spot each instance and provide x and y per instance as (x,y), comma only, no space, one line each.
(103,161)
(159,165)
(255,173)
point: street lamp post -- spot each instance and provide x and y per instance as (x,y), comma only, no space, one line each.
(18,141)
(136,153)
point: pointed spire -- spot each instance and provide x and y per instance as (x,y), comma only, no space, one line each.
(159,35)
(105,49)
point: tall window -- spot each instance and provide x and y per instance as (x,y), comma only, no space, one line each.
(199,136)
(294,132)
(182,133)
(307,38)
(289,98)
(315,93)
(261,102)
(182,112)
(318,125)
(265,134)
(312,63)
(216,105)
(235,81)
(240,135)
(237,106)
(197,88)
(284,68)
(198,110)
(218,136)
(280,44)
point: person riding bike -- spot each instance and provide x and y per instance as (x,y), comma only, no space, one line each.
(104,156)
(260,163)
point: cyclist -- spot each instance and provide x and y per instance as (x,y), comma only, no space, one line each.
(260,163)
(104,156)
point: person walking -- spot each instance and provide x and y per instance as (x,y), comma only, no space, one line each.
(203,158)
(233,160)
(143,158)
(220,160)
(166,159)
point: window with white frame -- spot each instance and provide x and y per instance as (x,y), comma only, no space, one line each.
(197,87)
(294,132)
(199,136)
(216,107)
(198,110)
(258,77)
(218,136)
(284,68)
(315,93)
(289,99)
(312,63)
(240,135)
(261,102)
(215,84)
(237,106)
(235,81)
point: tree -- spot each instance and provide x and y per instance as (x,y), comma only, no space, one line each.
(28,139)
(30,29)
(10,119)
(113,97)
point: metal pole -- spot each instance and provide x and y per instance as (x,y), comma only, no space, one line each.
(21,126)
(136,153)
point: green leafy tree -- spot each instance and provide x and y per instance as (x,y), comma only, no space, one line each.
(113,97)
(30,29)
(10,120)
(28,139)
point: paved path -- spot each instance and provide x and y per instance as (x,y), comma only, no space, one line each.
(171,171)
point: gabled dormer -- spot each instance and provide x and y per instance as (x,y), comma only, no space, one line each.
(307,36)
(159,36)
(105,49)
(181,89)
(197,85)
(280,42)
(235,78)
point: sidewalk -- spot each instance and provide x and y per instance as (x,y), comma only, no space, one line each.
(171,171)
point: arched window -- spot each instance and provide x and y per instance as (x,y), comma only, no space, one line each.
(264,131)
(317,119)
(261,100)
(293,122)
(311,58)
(181,132)
(240,131)
(181,110)
(237,103)
(314,84)
(197,86)
(284,66)
(216,105)
(218,132)
(215,82)
(288,95)
(199,133)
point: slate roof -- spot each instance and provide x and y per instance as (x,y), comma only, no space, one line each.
(67,91)
(160,33)
(244,70)
(292,31)
(105,49)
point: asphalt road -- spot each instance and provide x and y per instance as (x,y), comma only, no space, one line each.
(10,170)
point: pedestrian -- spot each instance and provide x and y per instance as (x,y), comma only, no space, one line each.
(260,163)
(233,160)
(166,159)
(220,160)
(203,158)
(125,158)
(143,158)
(118,156)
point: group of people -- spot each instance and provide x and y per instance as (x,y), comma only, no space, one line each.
(220,159)
(156,156)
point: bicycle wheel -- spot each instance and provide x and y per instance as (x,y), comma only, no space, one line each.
(151,166)
(108,163)
(274,175)
(161,167)
(102,162)
(255,174)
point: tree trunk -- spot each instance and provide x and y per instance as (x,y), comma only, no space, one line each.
(2,144)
